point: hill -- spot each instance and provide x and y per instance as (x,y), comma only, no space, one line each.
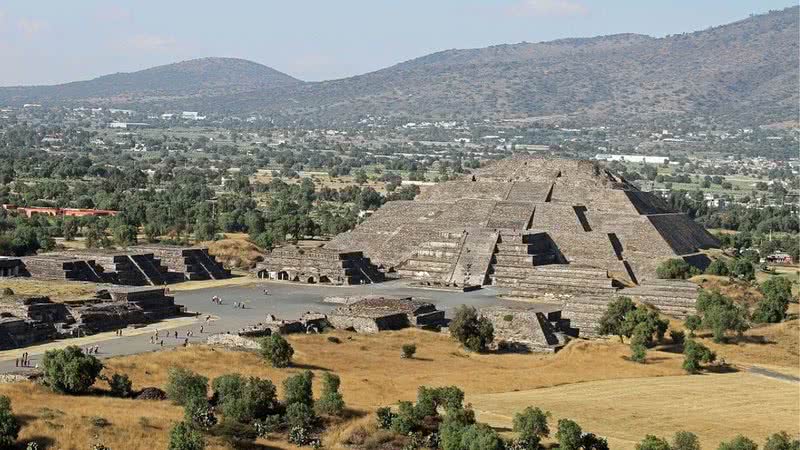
(741,72)
(202,77)
(745,72)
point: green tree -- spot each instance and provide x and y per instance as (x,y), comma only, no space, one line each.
(569,435)
(473,332)
(781,441)
(638,348)
(675,268)
(277,350)
(69,228)
(738,443)
(245,399)
(9,426)
(184,437)
(684,440)
(124,234)
(720,314)
(614,317)
(298,389)
(69,370)
(184,385)
(120,385)
(693,323)
(772,308)
(694,354)
(718,267)
(742,268)
(330,401)
(651,442)
(531,426)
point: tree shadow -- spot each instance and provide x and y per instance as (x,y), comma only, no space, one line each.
(309,367)
(25,419)
(417,358)
(744,339)
(720,368)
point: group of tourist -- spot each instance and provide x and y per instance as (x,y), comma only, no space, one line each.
(24,361)
(92,349)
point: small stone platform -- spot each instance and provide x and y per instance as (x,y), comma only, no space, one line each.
(372,314)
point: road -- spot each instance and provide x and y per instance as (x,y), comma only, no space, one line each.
(285,301)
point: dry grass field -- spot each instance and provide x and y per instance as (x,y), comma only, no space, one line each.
(716,407)
(57,291)
(590,381)
(372,372)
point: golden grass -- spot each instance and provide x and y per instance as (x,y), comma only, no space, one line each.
(235,253)
(372,372)
(775,346)
(716,407)
(56,290)
(373,375)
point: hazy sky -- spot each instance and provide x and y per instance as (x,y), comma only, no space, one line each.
(44,42)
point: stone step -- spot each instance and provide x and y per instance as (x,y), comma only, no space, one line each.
(554,280)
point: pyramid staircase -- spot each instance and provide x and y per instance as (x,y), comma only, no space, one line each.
(433,260)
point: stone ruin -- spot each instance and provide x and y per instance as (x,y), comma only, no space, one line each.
(140,266)
(318,265)
(28,320)
(543,230)
(523,329)
(370,314)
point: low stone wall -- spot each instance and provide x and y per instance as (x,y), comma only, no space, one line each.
(233,341)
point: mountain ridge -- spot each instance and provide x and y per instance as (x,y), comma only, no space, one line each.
(742,72)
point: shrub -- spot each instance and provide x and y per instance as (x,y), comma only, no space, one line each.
(183,385)
(721,315)
(409,350)
(614,317)
(718,267)
(638,348)
(531,426)
(472,331)
(198,412)
(300,415)
(334,340)
(405,420)
(69,370)
(677,336)
(9,426)
(695,353)
(684,440)
(693,323)
(738,443)
(384,417)
(651,442)
(593,442)
(777,294)
(569,435)
(99,422)
(781,441)
(330,401)
(743,269)
(302,437)
(646,322)
(675,268)
(298,389)
(277,350)
(184,437)
(269,424)
(245,399)
(120,385)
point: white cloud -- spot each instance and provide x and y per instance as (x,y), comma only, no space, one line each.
(31,27)
(150,42)
(543,8)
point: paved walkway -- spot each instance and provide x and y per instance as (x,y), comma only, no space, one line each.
(285,301)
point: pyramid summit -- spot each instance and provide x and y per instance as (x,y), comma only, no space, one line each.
(533,226)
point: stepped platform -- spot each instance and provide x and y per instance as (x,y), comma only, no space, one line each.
(584,313)
(28,320)
(370,314)
(522,329)
(676,298)
(318,265)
